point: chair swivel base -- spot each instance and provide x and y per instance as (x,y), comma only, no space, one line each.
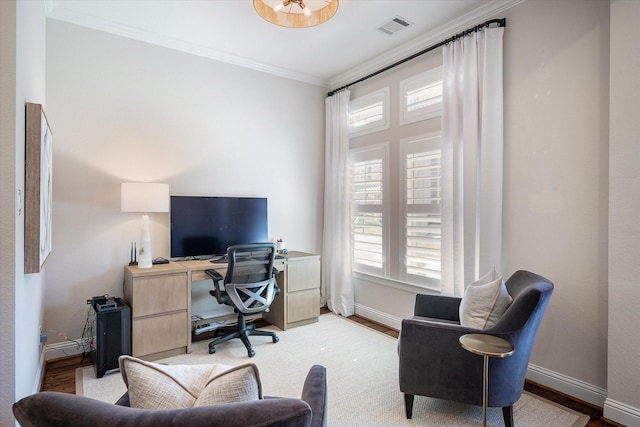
(242,331)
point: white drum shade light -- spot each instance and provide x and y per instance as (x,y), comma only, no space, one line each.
(296,13)
(144,197)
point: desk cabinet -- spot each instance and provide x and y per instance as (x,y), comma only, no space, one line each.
(299,300)
(159,299)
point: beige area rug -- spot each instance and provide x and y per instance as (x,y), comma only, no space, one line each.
(362,376)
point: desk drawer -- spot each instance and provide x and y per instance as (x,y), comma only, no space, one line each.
(303,274)
(158,294)
(159,333)
(303,305)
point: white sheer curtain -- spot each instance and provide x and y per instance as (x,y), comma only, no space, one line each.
(472,139)
(337,287)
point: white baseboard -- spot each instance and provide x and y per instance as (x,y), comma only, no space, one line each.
(554,380)
(567,385)
(378,316)
(40,374)
(621,413)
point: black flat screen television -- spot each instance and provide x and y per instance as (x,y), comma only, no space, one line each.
(204,227)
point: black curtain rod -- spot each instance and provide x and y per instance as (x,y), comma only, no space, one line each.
(500,22)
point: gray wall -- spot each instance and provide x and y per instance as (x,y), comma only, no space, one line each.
(556,179)
(124,110)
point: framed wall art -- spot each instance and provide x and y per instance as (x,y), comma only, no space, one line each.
(38,189)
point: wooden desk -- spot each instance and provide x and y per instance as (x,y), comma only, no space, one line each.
(160,301)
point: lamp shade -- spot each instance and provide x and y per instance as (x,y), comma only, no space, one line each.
(144,197)
(296,13)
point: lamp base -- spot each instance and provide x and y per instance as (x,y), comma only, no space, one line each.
(144,259)
(144,255)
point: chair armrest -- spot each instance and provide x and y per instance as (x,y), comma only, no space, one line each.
(276,288)
(217,291)
(437,307)
(214,275)
(314,392)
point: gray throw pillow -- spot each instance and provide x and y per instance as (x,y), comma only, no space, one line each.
(157,386)
(484,302)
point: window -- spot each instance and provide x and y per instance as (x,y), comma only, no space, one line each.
(396,184)
(421,209)
(369,113)
(421,96)
(368,200)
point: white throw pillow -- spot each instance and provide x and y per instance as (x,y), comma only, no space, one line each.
(157,386)
(484,302)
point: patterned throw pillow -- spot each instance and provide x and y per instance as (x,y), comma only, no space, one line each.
(157,386)
(484,302)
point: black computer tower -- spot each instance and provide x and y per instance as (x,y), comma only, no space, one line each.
(113,334)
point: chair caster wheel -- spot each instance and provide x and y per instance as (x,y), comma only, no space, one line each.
(251,353)
(212,350)
(275,339)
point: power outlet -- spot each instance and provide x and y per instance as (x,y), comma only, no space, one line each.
(19,201)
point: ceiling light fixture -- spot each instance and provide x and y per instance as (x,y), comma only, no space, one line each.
(296,13)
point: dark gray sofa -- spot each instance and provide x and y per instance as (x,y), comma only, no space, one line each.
(69,410)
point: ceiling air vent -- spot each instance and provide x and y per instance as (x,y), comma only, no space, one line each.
(395,25)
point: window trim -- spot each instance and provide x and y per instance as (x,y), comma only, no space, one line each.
(363,153)
(430,138)
(406,117)
(369,99)
(393,272)
(395,283)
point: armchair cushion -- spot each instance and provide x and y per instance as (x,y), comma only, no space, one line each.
(158,386)
(484,302)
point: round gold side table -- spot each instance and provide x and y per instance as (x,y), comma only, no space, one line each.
(486,346)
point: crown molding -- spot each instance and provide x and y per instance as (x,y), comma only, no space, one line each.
(461,23)
(60,13)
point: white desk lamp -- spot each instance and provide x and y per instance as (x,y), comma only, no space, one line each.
(144,197)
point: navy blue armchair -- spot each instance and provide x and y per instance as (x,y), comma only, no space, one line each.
(434,364)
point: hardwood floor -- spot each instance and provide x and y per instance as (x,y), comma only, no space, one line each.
(60,376)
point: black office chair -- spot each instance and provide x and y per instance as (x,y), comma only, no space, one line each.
(249,286)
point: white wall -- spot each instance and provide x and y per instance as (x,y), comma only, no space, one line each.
(623,379)
(23,67)
(556,57)
(123,110)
